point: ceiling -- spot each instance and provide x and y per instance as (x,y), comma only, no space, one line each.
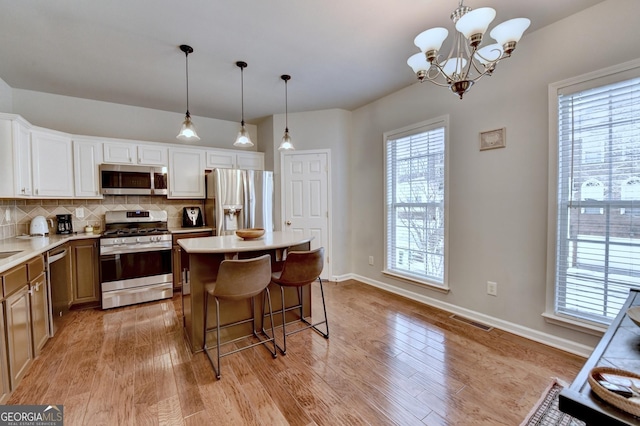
(340,54)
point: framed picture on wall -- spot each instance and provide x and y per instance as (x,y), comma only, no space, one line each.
(493,139)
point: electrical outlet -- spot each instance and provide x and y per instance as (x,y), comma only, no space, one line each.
(371,260)
(492,288)
(80,212)
(7,215)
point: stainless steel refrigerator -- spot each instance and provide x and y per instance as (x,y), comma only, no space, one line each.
(238,199)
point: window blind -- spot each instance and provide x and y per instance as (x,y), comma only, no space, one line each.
(598,224)
(415,203)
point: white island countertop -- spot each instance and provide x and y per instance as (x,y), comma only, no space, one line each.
(235,244)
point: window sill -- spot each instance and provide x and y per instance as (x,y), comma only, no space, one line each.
(422,283)
(583,326)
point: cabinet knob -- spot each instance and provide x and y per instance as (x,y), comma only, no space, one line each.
(288,222)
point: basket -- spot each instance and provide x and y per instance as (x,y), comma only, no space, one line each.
(618,401)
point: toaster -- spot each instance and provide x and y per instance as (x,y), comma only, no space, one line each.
(192,217)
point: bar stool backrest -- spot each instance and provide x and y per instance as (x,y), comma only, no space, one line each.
(301,267)
(242,279)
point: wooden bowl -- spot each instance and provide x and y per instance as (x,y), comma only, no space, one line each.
(250,233)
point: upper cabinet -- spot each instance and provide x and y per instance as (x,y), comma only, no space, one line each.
(87,157)
(131,153)
(22,172)
(15,157)
(186,173)
(52,162)
(223,159)
(42,163)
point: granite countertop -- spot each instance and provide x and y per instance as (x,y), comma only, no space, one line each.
(234,244)
(29,247)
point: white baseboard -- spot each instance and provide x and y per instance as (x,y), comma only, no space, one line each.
(528,333)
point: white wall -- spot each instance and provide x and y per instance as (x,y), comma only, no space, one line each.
(96,118)
(6,97)
(498,198)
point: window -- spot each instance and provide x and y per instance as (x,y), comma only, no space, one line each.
(591,190)
(630,191)
(415,193)
(598,142)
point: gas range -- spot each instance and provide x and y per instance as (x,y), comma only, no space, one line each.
(130,230)
(135,258)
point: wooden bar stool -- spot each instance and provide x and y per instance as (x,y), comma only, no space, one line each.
(239,280)
(301,268)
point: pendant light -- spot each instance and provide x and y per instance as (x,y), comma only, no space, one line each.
(188,131)
(286,144)
(243,139)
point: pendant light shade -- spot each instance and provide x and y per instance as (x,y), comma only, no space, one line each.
(286,144)
(243,139)
(187,131)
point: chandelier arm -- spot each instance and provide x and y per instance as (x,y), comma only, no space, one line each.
(437,83)
(440,70)
(470,64)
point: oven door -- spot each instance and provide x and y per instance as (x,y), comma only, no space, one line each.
(134,269)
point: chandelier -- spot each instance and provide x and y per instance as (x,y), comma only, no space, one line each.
(467,62)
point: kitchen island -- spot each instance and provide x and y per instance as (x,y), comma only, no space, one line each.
(206,254)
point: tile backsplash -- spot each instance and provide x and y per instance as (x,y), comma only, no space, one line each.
(16,214)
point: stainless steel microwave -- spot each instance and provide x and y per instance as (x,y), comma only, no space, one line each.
(133,180)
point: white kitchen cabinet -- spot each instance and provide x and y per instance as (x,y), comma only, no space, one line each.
(23,163)
(52,162)
(132,153)
(153,155)
(119,153)
(87,157)
(15,157)
(250,161)
(186,173)
(223,159)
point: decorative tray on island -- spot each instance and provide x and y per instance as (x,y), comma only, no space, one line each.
(250,233)
(619,388)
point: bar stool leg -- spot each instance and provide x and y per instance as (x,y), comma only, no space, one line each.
(218,336)
(284,320)
(273,331)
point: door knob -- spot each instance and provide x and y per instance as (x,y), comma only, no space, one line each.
(288,222)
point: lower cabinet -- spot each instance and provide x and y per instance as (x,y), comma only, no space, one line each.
(39,313)
(180,258)
(5,385)
(19,343)
(85,276)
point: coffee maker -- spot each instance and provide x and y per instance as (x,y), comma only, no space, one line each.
(64,224)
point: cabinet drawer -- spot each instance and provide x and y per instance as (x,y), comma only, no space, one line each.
(198,234)
(14,279)
(35,267)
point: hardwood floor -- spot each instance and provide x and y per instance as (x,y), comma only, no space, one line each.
(389,360)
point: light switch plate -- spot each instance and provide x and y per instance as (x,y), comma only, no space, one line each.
(80,212)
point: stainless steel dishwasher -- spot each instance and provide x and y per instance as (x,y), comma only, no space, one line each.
(58,284)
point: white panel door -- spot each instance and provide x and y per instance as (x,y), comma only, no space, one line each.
(306,199)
